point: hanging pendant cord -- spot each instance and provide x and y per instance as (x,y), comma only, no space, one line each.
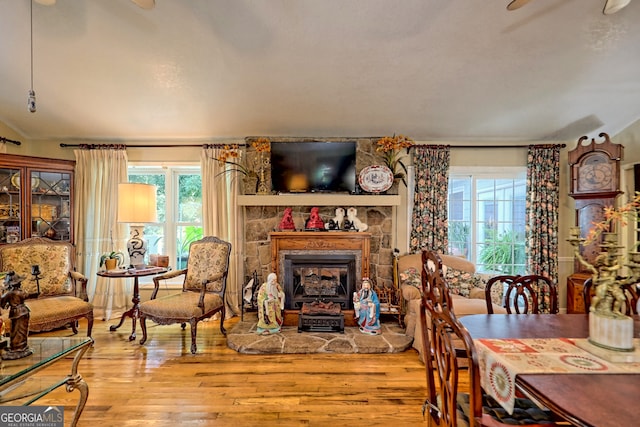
(31,13)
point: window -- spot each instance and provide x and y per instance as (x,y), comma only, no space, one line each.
(487,218)
(179,210)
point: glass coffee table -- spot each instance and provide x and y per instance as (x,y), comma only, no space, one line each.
(22,381)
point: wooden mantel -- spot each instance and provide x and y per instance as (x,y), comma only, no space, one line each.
(320,241)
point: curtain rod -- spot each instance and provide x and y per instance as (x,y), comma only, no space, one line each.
(97,146)
(493,146)
(3,139)
(93,146)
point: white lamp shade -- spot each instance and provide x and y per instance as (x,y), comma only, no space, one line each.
(136,203)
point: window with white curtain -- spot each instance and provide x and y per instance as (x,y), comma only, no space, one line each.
(486,216)
(179,205)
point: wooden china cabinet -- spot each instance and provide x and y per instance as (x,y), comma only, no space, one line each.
(595,184)
(35,198)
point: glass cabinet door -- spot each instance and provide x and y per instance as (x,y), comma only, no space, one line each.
(10,205)
(50,204)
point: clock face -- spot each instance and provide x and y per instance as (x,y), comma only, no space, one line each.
(595,176)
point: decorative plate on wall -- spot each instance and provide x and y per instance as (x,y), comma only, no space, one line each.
(375,179)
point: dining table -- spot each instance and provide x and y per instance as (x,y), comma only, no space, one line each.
(588,399)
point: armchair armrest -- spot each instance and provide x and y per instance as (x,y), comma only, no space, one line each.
(203,290)
(80,278)
(165,276)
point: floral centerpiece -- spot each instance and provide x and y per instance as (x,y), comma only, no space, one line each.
(391,148)
(609,326)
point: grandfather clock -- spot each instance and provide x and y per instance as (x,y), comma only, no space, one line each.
(595,182)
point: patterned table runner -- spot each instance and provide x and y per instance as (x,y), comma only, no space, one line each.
(502,359)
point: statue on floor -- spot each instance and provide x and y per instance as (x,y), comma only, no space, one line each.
(367,308)
(14,297)
(270,305)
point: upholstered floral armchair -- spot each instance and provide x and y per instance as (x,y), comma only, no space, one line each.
(203,290)
(63,291)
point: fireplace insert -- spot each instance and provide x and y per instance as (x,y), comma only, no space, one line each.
(314,277)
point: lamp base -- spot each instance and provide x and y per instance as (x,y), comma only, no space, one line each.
(137,246)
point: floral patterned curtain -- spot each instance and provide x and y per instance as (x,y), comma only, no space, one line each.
(543,195)
(429,219)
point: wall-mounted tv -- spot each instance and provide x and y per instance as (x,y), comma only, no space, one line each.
(303,167)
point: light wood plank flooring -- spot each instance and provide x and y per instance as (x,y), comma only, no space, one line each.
(163,384)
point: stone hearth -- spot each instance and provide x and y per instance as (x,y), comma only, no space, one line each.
(243,338)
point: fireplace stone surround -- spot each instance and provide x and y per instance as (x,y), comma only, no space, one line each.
(262,213)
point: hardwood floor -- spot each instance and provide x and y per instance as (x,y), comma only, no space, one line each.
(163,384)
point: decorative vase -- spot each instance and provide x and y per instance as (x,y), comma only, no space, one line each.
(249,184)
(395,187)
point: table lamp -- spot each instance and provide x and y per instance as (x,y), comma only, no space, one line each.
(136,206)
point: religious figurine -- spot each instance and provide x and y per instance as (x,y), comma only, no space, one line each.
(352,222)
(14,297)
(314,222)
(337,221)
(286,223)
(270,305)
(367,308)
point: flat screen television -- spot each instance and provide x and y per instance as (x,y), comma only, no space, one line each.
(308,167)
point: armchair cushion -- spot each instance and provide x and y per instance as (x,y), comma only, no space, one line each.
(181,307)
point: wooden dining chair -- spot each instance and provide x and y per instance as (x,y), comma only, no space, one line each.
(526,294)
(630,292)
(447,405)
(448,348)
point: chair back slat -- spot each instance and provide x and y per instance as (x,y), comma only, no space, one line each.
(528,294)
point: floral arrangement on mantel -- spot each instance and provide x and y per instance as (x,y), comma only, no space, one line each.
(391,148)
(252,168)
(252,165)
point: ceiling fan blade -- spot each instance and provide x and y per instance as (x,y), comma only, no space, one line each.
(517,4)
(612,6)
(145,4)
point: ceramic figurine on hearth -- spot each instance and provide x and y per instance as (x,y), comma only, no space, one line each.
(366,307)
(352,223)
(270,305)
(14,297)
(314,222)
(286,223)
(337,221)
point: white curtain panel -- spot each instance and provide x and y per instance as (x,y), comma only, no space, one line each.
(221,218)
(98,172)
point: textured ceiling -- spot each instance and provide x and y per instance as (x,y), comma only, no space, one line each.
(435,70)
